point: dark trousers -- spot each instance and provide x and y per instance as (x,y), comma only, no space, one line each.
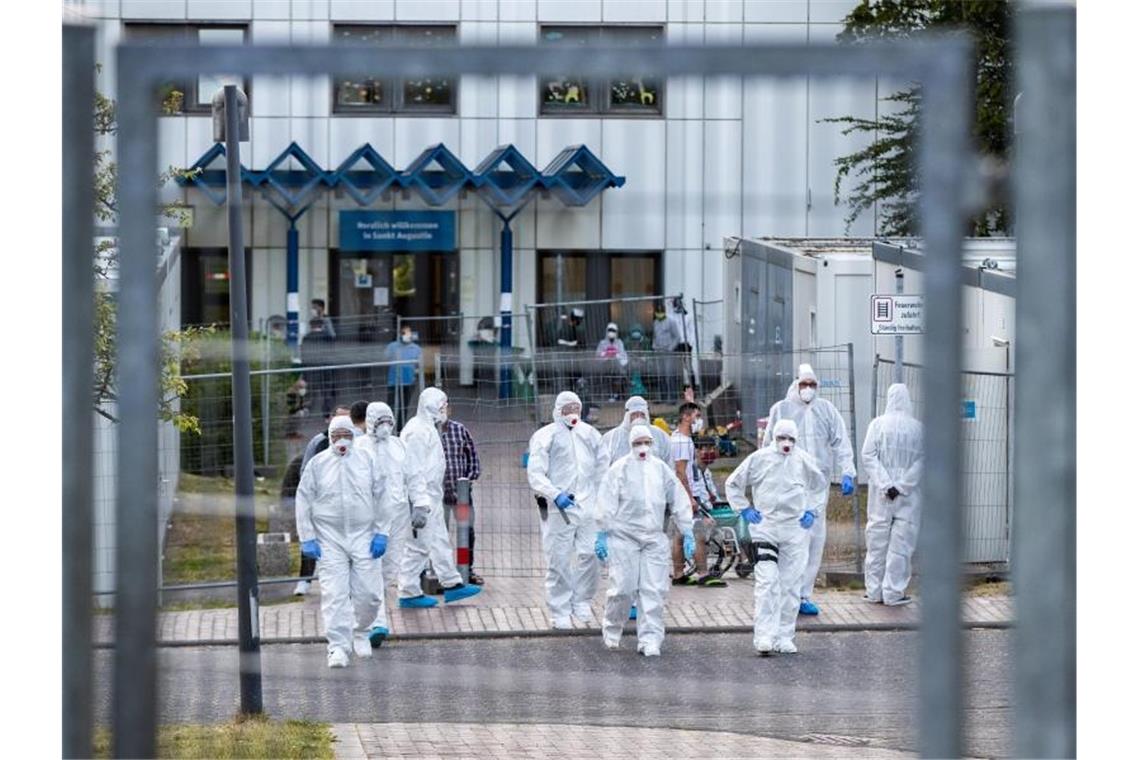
(410,393)
(308,566)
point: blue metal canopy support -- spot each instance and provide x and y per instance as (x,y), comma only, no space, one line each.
(505,181)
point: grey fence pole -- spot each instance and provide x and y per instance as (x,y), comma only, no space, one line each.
(1044,549)
(946,117)
(78,359)
(134,705)
(249,640)
(899,338)
(265,398)
(857,445)
(463,528)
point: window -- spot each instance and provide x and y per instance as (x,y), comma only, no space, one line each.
(376,93)
(621,95)
(196,95)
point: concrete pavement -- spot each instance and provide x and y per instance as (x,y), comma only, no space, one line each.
(515,606)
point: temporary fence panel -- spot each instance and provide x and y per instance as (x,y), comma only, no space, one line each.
(987,450)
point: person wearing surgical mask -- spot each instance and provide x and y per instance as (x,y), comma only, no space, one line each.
(430,538)
(892,457)
(318,317)
(402,377)
(613,359)
(565,463)
(638,496)
(691,422)
(823,435)
(405,492)
(773,490)
(343,522)
(616,441)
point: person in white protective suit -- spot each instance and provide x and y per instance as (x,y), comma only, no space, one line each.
(782,478)
(429,537)
(405,486)
(823,435)
(638,495)
(892,457)
(565,464)
(341,523)
(616,441)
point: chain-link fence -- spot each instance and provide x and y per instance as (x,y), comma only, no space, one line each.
(987,451)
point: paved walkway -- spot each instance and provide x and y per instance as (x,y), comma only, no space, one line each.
(515,606)
(543,740)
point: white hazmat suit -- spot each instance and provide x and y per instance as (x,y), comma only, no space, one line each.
(616,441)
(340,504)
(424,451)
(823,435)
(405,487)
(567,456)
(781,485)
(635,497)
(892,458)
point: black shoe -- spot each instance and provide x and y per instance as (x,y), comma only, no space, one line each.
(474,580)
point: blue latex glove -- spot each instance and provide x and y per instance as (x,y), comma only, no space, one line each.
(848,485)
(752,515)
(601,548)
(525,459)
(564,500)
(379,545)
(689,545)
(311,549)
(807,520)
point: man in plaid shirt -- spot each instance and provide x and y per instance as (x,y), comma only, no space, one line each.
(462,462)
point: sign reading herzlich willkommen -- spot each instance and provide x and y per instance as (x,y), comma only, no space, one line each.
(364,230)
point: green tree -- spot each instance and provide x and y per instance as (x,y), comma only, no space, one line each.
(886,171)
(175,344)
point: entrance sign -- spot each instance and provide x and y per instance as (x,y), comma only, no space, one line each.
(364,230)
(897,314)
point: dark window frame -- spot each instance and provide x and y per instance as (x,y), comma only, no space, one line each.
(599,89)
(396,106)
(193,289)
(599,284)
(189,88)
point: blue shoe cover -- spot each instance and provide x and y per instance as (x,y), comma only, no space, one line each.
(377,635)
(633,613)
(455,594)
(807,607)
(418,601)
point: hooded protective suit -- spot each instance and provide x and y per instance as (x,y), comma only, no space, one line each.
(635,497)
(341,503)
(405,487)
(892,457)
(823,435)
(424,451)
(780,485)
(616,441)
(568,459)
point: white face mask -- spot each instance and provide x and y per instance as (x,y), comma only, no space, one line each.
(785,445)
(382,430)
(807,394)
(302,391)
(638,418)
(698,425)
(570,420)
(487,336)
(342,446)
(642,450)
(406,338)
(611,335)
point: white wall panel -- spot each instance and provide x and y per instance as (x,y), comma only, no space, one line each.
(779,11)
(171,152)
(268,137)
(568,227)
(200,138)
(830,11)
(216,10)
(577,11)
(427,10)
(517,95)
(313,137)
(271,9)
(775,144)
(362,10)
(478,95)
(346,135)
(153,9)
(633,216)
(313,10)
(722,94)
(413,135)
(722,181)
(720,11)
(684,96)
(634,11)
(684,180)
(517,10)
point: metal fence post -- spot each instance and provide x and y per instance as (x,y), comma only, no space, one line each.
(248,636)
(265,398)
(463,527)
(857,447)
(1044,550)
(946,117)
(78,358)
(137,362)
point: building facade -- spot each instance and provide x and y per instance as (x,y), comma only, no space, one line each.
(701,159)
